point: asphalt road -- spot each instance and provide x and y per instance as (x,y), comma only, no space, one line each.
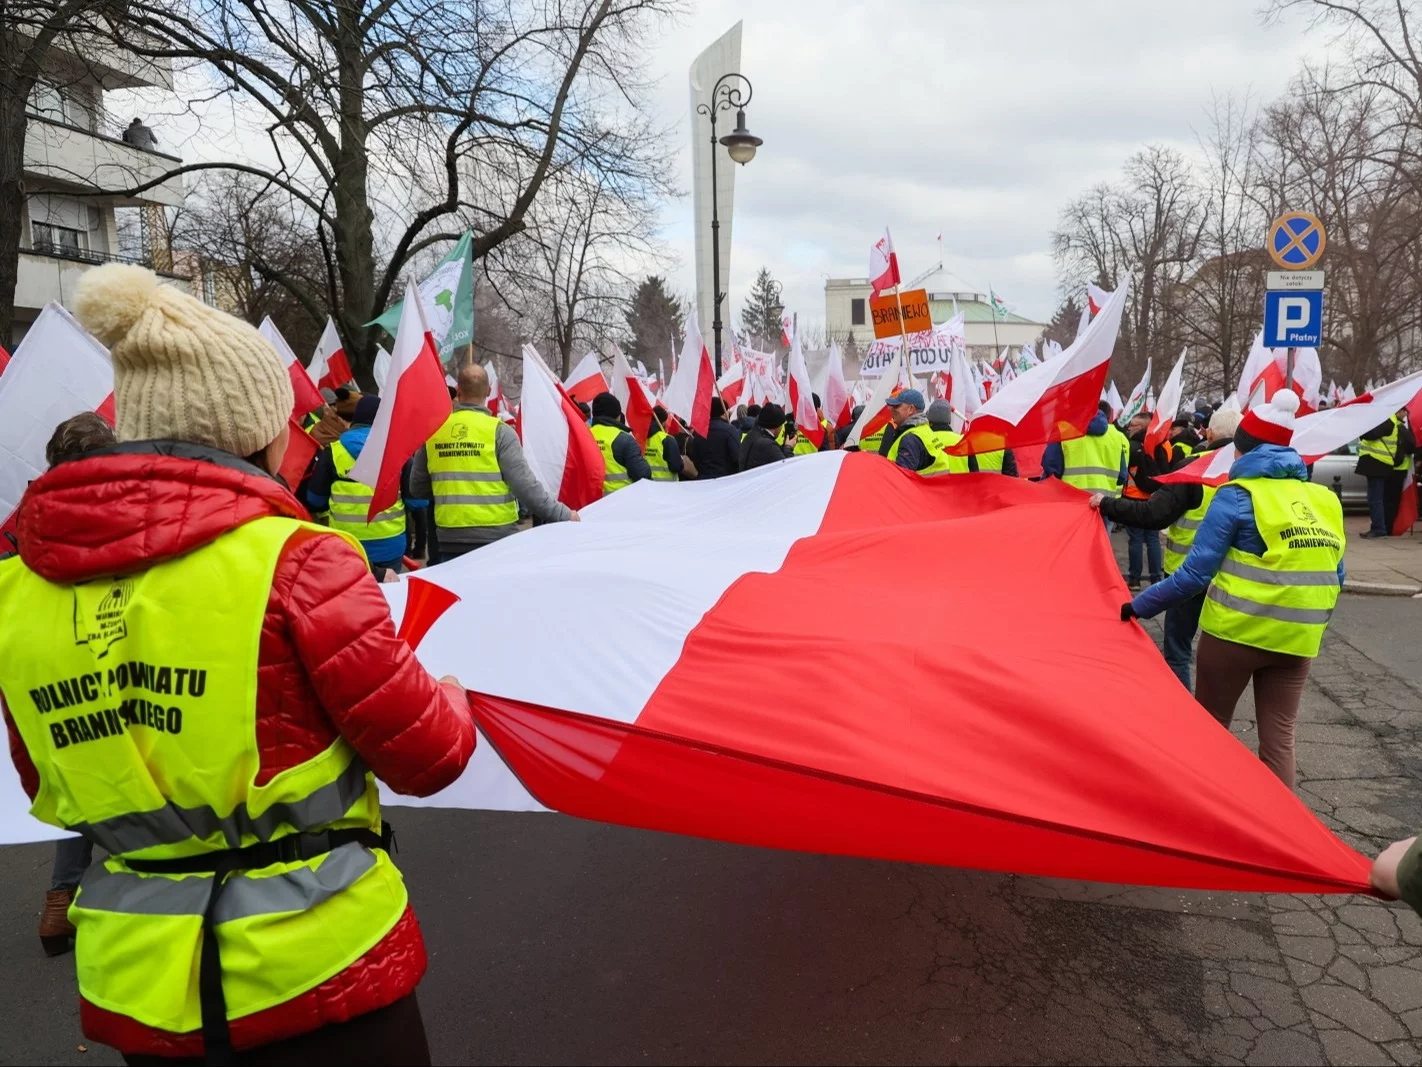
(554,940)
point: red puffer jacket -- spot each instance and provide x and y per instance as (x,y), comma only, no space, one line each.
(329,664)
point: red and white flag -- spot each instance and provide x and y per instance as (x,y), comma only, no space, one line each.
(963,395)
(1096,299)
(498,403)
(586,381)
(415,405)
(802,400)
(557,442)
(4,359)
(1163,417)
(58,371)
(787,328)
(301,450)
(1316,435)
(875,415)
(732,384)
(306,396)
(693,383)
(637,403)
(1055,401)
(883,265)
(837,401)
(329,368)
(1021,767)
(1274,375)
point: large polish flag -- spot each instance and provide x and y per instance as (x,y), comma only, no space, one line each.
(415,405)
(329,368)
(1315,436)
(1020,767)
(693,383)
(557,442)
(732,384)
(632,394)
(837,402)
(1055,401)
(306,397)
(58,371)
(586,381)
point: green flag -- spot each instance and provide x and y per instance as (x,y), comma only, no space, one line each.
(448,295)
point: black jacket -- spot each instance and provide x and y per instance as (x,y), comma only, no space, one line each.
(627,452)
(719,452)
(1406,446)
(759,448)
(1164,506)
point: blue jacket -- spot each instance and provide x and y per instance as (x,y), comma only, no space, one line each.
(384,550)
(1228,524)
(1054,464)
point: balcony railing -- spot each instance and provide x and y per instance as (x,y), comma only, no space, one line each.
(85,255)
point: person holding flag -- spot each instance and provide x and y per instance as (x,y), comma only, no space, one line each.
(1268,556)
(333,493)
(621,454)
(1384,457)
(909,441)
(1095,463)
(935,434)
(718,453)
(663,452)
(475,473)
(185,568)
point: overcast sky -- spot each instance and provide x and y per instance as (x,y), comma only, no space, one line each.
(979,118)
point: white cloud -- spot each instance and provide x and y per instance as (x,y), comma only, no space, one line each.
(980,118)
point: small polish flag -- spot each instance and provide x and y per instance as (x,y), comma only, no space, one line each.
(688,394)
(732,384)
(329,368)
(414,407)
(307,396)
(586,381)
(1163,415)
(636,402)
(802,401)
(837,402)
(559,445)
(883,265)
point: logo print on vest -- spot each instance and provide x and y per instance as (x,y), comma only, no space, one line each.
(99,614)
(1304,513)
(459,431)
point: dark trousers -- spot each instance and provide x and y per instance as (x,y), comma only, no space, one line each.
(1225,668)
(1377,506)
(390,1035)
(449,552)
(1182,620)
(1143,540)
(417,532)
(72,856)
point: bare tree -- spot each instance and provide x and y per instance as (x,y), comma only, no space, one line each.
(398,124)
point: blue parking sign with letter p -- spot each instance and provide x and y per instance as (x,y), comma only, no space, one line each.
(1293,318)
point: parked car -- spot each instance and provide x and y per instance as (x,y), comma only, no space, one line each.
(1336,472)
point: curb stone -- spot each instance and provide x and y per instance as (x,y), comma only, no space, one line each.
(1381,589)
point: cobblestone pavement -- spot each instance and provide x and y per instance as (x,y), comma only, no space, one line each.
(554,940)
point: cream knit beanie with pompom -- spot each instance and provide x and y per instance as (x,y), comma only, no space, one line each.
(183,371)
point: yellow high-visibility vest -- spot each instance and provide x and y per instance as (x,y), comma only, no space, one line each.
(1093,463)
(465,479)
(1282,601)
(350,503)
(873,441)
(991,461)
(1181,535)
(1385,449)
(615,476)
(935,441)
(656,457)
(135,698)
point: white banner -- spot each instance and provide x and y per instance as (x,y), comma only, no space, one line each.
(930,351)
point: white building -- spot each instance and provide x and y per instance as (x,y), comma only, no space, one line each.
(71,146)
(847,315)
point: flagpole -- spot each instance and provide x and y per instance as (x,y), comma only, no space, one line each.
(903,333)
(992,311)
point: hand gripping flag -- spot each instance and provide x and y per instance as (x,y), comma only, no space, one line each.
(1054,401)
(693,383)
(306,397)
(415,405)
(557,442)
(883,265)
(1017,767)
(586,381)
(329,368)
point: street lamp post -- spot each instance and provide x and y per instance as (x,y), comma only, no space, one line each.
(740,146)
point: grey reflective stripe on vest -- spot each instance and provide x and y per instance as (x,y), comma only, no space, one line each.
(298,889)
(466,476)
(351,498)
(172,824)
(1306,616)
(340,519)
(1081,471)
(1176,546)
(611,477)
(1188,524)
(1265,576)
(473,498)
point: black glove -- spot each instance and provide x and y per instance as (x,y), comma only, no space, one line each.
(1128,612)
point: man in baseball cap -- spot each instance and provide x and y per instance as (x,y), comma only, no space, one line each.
(906,410)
